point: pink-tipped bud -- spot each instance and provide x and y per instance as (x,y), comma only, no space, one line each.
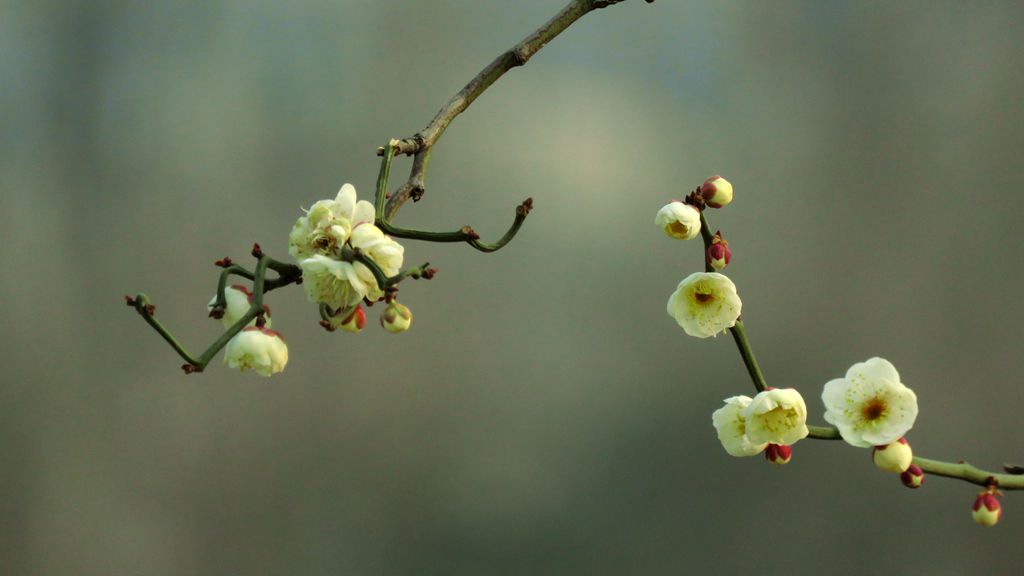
(718,254)
(986,510)
(396,317)
(355,321)
(912,477)
(893,457)
(778,454)
(716,191)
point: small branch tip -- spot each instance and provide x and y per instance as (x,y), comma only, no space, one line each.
(257,252)
(223,262)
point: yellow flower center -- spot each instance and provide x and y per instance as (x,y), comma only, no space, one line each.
(678,228)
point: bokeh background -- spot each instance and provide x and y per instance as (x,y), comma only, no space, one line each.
(544,415)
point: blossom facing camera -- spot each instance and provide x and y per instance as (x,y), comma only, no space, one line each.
(328,224)
(870,406)
(912,477)
(986,510)
(778,455)
(718,254)
(333,282)
(776,416)
(678,220)
(893,457)
(237,300)
(396,318)
(716,191)
(353,322)
(261,349)
(704,304)
(731,428)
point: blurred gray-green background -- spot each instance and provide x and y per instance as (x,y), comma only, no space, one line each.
(544,415)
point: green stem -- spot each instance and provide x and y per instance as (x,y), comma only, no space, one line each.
(287,274)
(969,473)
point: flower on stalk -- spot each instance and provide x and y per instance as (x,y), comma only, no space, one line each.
(778,454)
(333,282)
(777,416)
(678,220)
(893,457)
(718,254)
(704,304)
(261,349)
(396,317)
(237,299)
(870,406)
(986,510)
(716,191)
(912,477)
(353,322)
(731,427)
(385,252)
(328,223)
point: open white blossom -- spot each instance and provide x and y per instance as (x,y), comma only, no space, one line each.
(678,220)
(705,303)
(328,223)
(261,349)
(333,282)
(385,252)
(732,428)
(870,406)
(778,416)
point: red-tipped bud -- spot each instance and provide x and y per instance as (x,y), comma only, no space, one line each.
(778,454)
(354,321)
(986,510)
(718,254)
(894,457)
(716,191)
(912,477)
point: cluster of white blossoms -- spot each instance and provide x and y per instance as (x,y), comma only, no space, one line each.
(704,303)
(776,417)
(318,240)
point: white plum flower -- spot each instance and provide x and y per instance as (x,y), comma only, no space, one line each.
(385,252)
(237,300)
(678,220)
(732,428)
(778,416)
(333,282)
(870,406)
(328,223)
(261,349)
(705,303)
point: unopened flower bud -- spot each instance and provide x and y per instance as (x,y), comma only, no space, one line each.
(718,254)
(353,322)
(237,299)
(396,317)
(894,457)
(678,220)
(912,477)
(261,349)
(778,454)
(986,510)
(717,191)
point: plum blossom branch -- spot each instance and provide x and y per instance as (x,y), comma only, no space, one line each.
(958,470)
(287,274)
(420,145)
